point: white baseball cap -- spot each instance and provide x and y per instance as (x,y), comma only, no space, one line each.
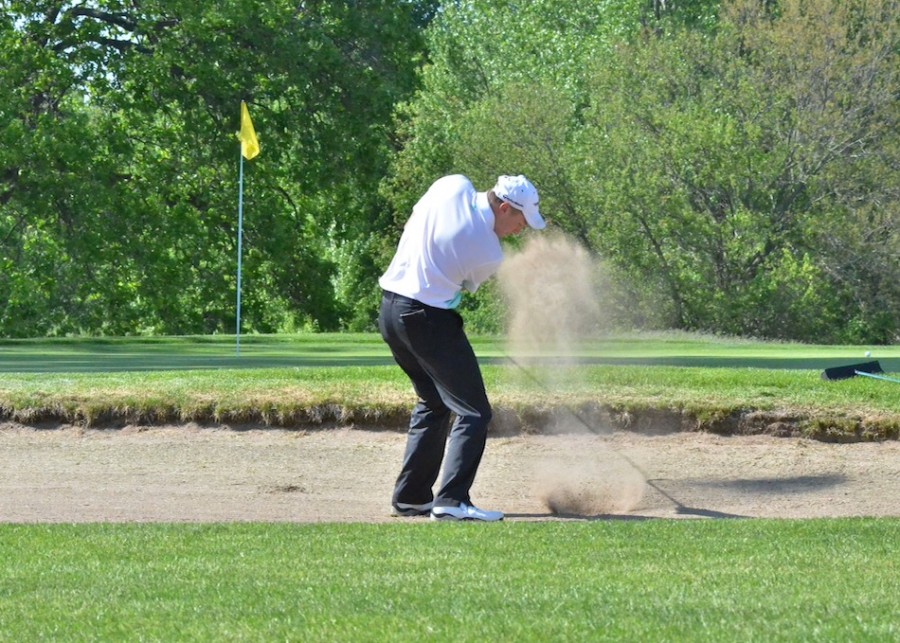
(522,195)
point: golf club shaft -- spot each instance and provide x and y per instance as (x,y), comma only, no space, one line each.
(650,482)
(575,414)
(877,377)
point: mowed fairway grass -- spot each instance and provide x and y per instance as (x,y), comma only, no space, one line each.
(687,580)
(408,580)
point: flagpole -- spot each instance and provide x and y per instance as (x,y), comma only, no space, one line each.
(249,150)
(237,333)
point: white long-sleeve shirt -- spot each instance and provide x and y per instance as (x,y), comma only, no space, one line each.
(448,245)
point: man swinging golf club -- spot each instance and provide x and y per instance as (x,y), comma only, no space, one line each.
(451,243)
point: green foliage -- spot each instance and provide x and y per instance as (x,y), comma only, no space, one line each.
(497,52)
(735,169)
(736,174)
(118,169)
(685,171)
(484,312)
(714,187)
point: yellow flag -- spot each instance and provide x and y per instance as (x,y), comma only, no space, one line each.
(249,144)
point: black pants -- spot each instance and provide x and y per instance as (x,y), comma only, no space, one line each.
(431,347)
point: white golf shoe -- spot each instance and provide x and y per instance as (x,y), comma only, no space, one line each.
(465,512)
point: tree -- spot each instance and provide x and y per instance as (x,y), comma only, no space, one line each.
(730,169)
(838,63)
(500,93)
(482,49)
(118,173)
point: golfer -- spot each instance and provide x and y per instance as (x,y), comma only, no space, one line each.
(450,244)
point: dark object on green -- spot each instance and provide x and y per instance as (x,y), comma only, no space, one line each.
(851,370)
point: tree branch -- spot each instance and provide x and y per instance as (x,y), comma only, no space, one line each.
(118,19)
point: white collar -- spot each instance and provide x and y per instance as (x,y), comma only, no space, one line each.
(483,207)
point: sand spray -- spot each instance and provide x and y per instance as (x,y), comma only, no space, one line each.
(554,303)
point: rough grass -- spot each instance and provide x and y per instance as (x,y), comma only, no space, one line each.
(670,383)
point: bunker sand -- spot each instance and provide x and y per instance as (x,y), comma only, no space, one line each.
(200,474)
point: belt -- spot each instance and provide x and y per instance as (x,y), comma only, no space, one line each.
(392,296)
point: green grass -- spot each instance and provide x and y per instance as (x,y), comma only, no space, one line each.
(108,354)
(360,391)
(70,355)
(714,580)
(832,580)
(311,379)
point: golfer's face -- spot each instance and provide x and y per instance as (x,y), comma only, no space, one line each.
(509,221)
